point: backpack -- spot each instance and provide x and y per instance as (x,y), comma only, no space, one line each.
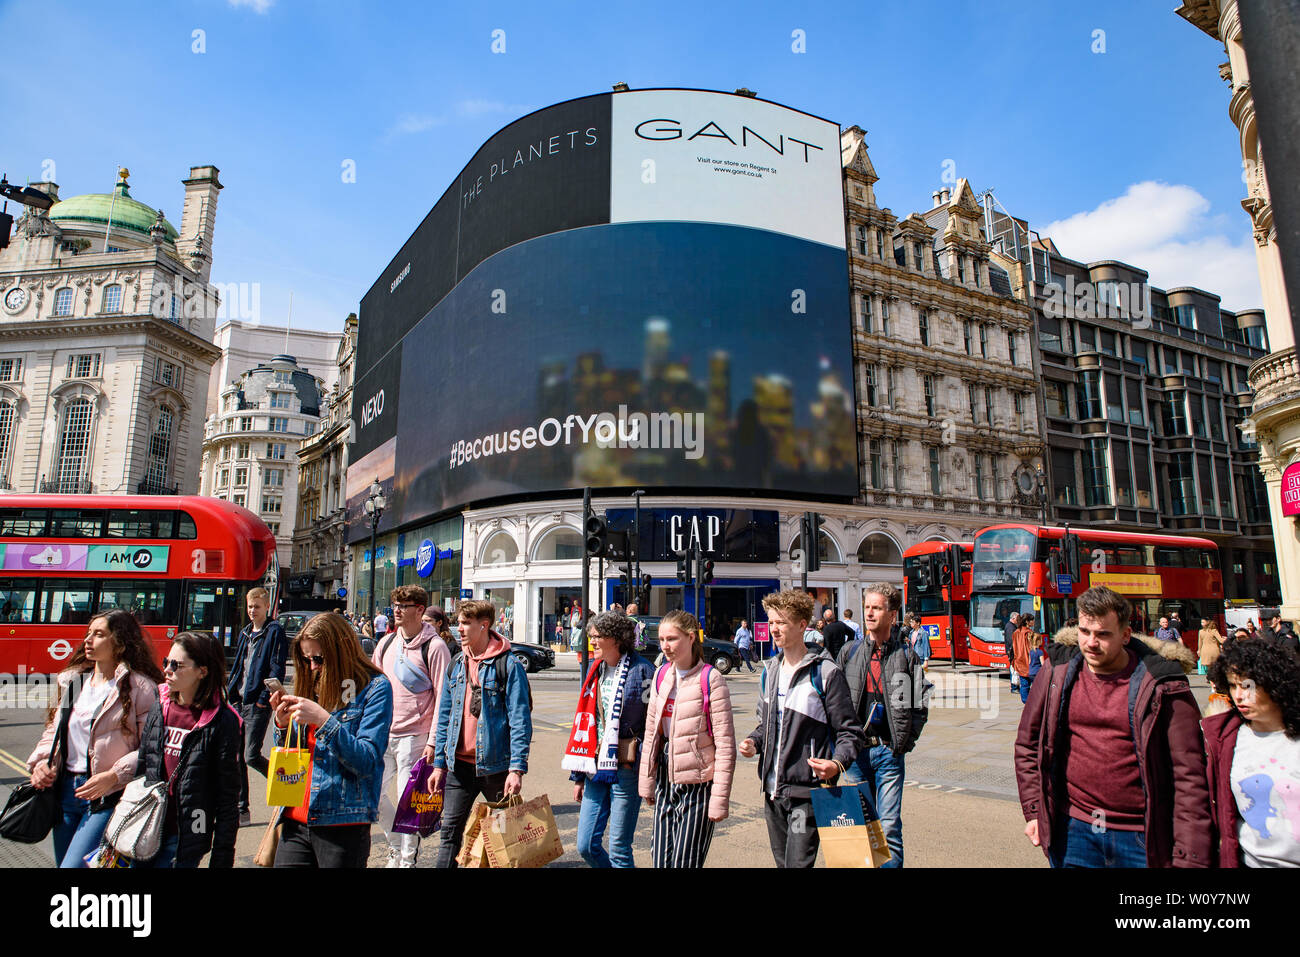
(814,675)
(704,690)
(502,675)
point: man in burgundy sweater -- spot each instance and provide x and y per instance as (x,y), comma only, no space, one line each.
(1118,728)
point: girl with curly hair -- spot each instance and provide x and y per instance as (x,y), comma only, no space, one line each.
(1254,756)
(105,695)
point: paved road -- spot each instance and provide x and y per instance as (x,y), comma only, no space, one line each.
(959,810)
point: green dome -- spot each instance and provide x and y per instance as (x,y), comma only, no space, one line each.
(94,208)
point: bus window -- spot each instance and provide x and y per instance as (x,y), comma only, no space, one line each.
(66,603)
(201,608)
(139,523)
(1127,555)
(76,522)
(1170,557)
(152,602)
(185,526)
(17,602)
(1202,558)
(22,522)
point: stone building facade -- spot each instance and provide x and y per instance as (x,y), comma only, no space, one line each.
(250,445)
(1274,378)
(106,327)
(320,559)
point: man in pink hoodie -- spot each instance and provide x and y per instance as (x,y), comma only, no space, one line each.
(414,658)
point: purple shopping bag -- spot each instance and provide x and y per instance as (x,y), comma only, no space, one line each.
(420,809)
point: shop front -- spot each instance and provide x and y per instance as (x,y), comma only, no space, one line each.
(427,555)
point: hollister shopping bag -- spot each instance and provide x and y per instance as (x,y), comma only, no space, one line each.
(286,776)
(850,836)
(420,809)
(473,852)
(522,835)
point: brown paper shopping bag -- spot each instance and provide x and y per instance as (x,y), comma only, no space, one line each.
(848,836)
(522,835)
(472,852)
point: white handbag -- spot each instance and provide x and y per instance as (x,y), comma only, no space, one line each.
(135,829)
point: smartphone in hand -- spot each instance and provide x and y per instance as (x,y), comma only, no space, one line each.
(273,684)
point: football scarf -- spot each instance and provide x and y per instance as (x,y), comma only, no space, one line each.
(583,753)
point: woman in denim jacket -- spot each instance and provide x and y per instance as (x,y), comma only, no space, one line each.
(345,705)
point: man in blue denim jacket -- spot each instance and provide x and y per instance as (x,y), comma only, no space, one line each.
(484,728)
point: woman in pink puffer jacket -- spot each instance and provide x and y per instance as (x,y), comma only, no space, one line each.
(690,747)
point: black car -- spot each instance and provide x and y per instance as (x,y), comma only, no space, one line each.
(723,655)
(533,657)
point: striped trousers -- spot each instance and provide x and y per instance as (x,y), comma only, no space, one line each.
(683,830)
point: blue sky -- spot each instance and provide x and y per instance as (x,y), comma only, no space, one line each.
(1126,154)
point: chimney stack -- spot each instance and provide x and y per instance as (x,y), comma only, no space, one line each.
(935,197)
(195,241)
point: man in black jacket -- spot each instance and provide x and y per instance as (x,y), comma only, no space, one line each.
(260,654)
(888,688)
(806,732)
(1280,631)
(836,635)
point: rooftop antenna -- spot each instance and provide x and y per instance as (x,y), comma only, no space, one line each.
(288,324)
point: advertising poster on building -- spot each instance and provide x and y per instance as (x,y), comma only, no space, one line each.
(681,320)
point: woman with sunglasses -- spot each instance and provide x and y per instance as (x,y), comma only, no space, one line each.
(342,705)
(192,740)
(106,692)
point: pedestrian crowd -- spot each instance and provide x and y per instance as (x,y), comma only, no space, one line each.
(1115,764)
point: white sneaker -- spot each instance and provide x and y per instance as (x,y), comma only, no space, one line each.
(394,858)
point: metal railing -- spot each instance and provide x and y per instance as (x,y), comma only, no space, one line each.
(147,487)
(67,487)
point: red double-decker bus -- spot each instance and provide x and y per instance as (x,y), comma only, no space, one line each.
(1160,574)
(925,596)
(175,562)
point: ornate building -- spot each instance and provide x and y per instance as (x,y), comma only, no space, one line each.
(106,347)
(250,446)
(1274,378)
(948,425)
(320,557)
(1144,392)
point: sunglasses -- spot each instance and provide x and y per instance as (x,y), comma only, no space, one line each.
(316,659)
(170,664)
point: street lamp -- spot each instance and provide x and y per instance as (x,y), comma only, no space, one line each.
(375,508)
(1042,489)
(636,543)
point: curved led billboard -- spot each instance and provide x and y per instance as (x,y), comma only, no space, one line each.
(645,288)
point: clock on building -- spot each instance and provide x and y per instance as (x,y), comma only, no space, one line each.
(15,299)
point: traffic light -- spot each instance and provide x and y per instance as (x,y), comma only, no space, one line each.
(812,523)
(945,574)
(683,567)
(706,569)
(597,533)
(625,579)
(643,593)
(954,560)
(1070,552)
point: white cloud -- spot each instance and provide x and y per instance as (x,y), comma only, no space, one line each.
(259,6)
(479,107)
(1167,230)
(415,123)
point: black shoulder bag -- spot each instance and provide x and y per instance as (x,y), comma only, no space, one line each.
(30,813)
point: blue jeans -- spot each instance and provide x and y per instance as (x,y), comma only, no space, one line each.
(883,770)
(617,802)
(747,656)
(166,856)
(1084,847)
(77,832)
(1025,684)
